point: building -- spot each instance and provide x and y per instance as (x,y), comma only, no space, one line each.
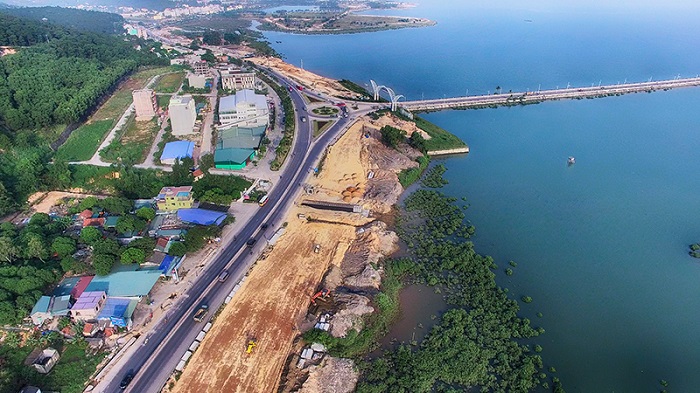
(174,198)
(197,81)
(88,305)
(42,360)
(237,146)
(118,311)
(127,281)
(177,150)
(182,114)
(41,311)
(200,67)
(30,389)
(235,79)
(244,109)
(145,104)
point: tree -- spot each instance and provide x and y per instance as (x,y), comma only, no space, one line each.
(8,250)
(90,235)
(106,246)
(40,219)
(146,213)
(129,223)
(181,175)
(88,203)
(133,255)
(7,203)
(117,206)
(63,246)
(392,136)
(417,142)
(103,263)
(206,162)
(211,37)
(58,176)
(216,196)
(209,57)
(177,249)
(35,247)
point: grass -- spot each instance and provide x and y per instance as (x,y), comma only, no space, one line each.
(319,127)
(311,99)
(133,143)
(169,83)
(121,99)
(163,101)
(84,141)
(325,111)
(411,175)
(440,139)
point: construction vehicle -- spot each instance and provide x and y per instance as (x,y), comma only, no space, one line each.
(322,294)
(201,312)
(317,247)
(251,345)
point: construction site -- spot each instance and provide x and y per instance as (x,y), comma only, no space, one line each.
(320,274)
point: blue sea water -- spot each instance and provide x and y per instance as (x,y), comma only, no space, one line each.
(601,246)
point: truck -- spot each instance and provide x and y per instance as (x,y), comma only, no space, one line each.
(201,313)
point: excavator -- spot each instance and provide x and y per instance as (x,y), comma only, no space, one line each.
(251,345)
(322,294)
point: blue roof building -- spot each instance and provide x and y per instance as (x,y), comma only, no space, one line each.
(118,311)
(201,216)
(175,151)
(41,311)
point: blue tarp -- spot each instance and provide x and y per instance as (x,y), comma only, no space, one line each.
(201,216)
(166,263)
(115,309)
(177,149)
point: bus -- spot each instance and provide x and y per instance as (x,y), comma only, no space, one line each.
(263,200)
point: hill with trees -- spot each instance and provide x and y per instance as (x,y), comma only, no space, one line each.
(82,20)
(50,84)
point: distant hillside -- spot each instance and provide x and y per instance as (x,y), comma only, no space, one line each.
(97,22)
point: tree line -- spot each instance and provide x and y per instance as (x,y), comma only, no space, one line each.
(93,21)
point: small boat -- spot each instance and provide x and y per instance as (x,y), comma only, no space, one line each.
(571,161)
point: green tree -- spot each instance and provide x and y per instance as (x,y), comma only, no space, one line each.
(392,136)
(146,213)
(90,235)
(88,203)
(63,246)
(117,205)
(212,37)
(129,223)
(206,162)
(418,142)
(103,263)
(177,249)
(133,255)
(40,219)
(8,250)
(58,176)
(7,203)
(181,175)
(107,246)
(36,247)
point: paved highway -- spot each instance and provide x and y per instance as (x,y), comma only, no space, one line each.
(155,359)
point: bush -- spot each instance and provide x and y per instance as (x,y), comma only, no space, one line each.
(392,136)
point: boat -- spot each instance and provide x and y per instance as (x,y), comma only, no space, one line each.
(571,161)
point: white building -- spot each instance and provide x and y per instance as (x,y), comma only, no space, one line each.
(243,109)
(182,114)
(197,81)
(234,79)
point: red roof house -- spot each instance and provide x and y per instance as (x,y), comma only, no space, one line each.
(80,287)
(85,214)
(94,222)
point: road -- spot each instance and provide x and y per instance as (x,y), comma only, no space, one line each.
(155,359)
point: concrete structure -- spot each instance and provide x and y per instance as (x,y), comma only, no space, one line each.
(200,67)
(243,109)
(145,104)
(43,360)
(88,305)
(182,114)
(236,79)
(174,198)
(197,81)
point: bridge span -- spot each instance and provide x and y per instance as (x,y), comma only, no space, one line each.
(522,98)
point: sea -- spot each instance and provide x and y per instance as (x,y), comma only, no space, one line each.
(601,246)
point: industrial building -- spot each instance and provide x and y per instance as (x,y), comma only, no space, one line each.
(237,146)
(177,150)
(236,79)
(243,109)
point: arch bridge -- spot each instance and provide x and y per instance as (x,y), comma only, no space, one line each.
(393,97)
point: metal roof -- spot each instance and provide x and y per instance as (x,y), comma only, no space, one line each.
(228,103)
(177,149)
(126,283)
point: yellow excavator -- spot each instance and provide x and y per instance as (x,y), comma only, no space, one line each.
(251,345)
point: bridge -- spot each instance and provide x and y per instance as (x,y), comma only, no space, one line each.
(532,97)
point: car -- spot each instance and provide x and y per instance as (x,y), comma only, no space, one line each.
(201,312)
(126,380)
(223,276)
(264,226)
(250,242)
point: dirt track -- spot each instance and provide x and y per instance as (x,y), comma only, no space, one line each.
(269,307)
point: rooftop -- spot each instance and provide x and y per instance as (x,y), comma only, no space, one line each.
(177,149)
(201,216)
(228,103)
(181,191)
(232,155)
(180,100)
(88,300)
(131,283)
(65,287)
(42,305)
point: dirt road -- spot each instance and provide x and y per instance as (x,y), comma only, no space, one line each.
(268,308)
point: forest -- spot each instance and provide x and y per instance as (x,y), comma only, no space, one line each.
(94,21)
(51,84)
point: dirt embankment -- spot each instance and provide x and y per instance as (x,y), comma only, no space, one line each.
(320,249)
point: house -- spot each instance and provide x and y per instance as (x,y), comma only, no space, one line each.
(90,329)
(130,281)
(111,222)
(30,389)
(162,245)
(88,305)
(200,67)
(177,150)
(197,174)
(170,265)
(42,360)
(201,216)
(174,198)
(118,311)
(94,222)
(85,214)
(80,287)
(41,311)
(60,306)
